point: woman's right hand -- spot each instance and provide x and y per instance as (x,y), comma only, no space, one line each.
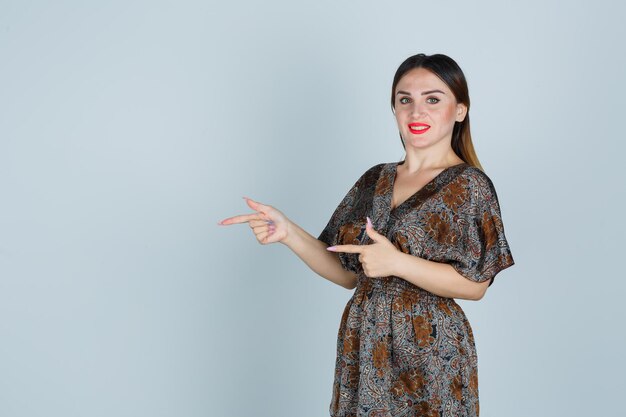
(268,224)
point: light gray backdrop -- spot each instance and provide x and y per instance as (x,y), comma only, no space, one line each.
(128,129)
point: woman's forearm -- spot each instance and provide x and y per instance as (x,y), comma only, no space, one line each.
(313,252)
(438,278)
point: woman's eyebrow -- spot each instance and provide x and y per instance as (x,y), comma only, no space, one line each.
(424,93)
(432,91)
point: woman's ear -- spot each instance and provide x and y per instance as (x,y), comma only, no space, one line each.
(461,111)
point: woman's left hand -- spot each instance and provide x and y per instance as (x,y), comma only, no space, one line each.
(378,259)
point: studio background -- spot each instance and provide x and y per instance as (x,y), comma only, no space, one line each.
(128,129)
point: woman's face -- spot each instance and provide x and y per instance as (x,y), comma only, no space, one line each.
(426,109)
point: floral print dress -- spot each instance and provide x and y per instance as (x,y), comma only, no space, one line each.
(401,350)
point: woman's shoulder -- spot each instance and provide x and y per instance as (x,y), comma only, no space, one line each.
(378,167)
(373,172)
(476,176)
(479,184)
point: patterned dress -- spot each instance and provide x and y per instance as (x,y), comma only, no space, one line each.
(401,350)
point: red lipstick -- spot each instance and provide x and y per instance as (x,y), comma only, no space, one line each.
(418,128)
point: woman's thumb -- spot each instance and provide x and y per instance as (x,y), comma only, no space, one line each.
(373,234)
(254,204)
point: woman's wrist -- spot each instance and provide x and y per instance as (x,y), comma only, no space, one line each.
(293,235)
(410,267)
(399,264)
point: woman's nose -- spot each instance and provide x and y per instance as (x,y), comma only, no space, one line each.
(417,110)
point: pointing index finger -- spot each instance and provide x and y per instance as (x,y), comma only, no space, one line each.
(346,248)
(240,219)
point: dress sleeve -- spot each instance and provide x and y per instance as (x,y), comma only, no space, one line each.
(481,250)
(329,234)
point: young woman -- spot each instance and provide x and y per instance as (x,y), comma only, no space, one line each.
(410,236)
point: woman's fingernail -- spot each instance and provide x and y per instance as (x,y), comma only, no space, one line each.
(369,222)
(331,248)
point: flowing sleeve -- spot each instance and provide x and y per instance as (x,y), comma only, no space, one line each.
(330,233)
(347,223)
(481,249)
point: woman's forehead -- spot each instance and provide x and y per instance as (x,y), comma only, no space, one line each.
(421,79)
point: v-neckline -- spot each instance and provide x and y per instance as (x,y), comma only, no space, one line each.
(394,173)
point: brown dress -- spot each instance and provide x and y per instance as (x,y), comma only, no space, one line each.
(401,350)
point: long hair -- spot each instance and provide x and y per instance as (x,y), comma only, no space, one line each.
(450,73)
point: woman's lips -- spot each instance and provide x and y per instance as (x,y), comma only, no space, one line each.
(418,128)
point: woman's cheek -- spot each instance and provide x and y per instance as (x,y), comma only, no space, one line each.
(447,113)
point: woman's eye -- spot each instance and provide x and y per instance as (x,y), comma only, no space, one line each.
(402,100)
(435,100)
